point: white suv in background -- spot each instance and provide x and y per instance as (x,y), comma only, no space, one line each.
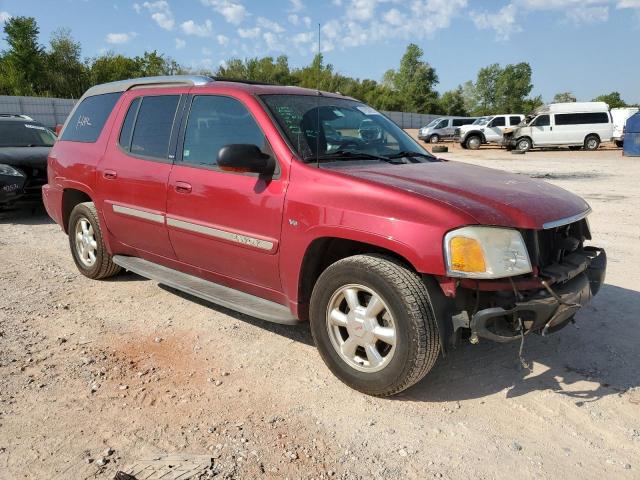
(486,130)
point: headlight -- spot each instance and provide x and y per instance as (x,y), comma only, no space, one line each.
(485,252)
(9,170)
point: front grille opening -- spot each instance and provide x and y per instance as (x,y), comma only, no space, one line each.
(549,247)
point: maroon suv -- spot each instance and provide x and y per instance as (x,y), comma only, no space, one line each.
(291,204)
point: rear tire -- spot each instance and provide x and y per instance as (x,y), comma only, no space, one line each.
(378,351)
(619,143)
(473,142)
(592,142)
(87,245)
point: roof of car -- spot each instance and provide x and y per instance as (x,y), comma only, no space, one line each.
(201,81)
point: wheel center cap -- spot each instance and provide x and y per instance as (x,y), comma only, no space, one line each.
(357,323)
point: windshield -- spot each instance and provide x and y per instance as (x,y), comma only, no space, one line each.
(19,134)
(432,123)
(340,129)
(481,121)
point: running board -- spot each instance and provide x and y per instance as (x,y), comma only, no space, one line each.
(212,292)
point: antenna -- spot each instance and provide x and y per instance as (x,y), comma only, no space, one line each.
(318,103)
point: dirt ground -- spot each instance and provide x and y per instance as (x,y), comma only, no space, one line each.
(88,367)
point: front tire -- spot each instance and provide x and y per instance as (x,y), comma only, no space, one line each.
(434,138)
(473,142)
(87,245)
(373,324)
(524,144)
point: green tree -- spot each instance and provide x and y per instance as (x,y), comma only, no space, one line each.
(530,104)
(453,103)
(486,87)
(613,99)
(22,65)
(66,75)
(414,81)
(513,86)
(564,97)
(111,67)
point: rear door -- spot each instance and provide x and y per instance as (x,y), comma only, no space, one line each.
(133,174)
(227,223)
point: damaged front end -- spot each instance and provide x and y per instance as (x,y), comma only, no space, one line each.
(565,276)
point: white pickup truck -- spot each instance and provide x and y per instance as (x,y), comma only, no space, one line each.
(486,130)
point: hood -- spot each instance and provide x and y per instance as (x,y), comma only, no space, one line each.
(491,197)
(34,157)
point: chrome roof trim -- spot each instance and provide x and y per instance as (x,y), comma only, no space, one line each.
(148,82)
(566,220)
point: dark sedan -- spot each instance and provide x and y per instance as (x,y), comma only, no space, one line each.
(24,146)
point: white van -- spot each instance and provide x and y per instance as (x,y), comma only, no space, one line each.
(575,125)
(620,117)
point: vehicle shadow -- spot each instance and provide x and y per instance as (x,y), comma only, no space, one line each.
(596,357)
(30,212)
(298,333)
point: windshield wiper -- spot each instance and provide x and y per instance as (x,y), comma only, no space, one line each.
(346,155)
(409,154)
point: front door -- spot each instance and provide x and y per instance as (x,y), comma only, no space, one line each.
(541,130)
(494,130)
(133,174)
(225,223)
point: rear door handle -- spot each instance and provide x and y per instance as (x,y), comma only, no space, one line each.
(110,174)
(183,187)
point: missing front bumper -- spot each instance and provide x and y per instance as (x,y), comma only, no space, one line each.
(549,310)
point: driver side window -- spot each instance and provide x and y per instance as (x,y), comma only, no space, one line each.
(216,121)
(542,121)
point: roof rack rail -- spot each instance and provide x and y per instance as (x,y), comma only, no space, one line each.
(148,82)
(240,80)
(16,115)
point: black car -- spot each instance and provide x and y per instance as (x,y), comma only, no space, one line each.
(24,146)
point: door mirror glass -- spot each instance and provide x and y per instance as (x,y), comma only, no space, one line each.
(245,158)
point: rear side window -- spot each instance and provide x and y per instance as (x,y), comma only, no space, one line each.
(581,118)
(89,118)
(498,122)
(214,122)
(514,120)
(153,125)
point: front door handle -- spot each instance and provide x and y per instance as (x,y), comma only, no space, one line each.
(110,174)
(183,187)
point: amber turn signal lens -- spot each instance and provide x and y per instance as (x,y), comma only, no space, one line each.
(466,255)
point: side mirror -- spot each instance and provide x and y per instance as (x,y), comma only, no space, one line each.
(245,158)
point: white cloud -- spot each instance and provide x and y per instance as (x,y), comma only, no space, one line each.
(180,43)
(589,14)
(361,10)
(160,13)
(628,4)
(272,40)
(293,19)
(296,5)
(249,32)
(306,21)
(269,25)
(120,38)
(394,17)
(222,40)
(503,22)
(233,12)
(199,30)
(4,16)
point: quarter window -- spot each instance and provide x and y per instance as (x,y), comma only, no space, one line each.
(88,119)
(216,121)
(127,126)
(153,126)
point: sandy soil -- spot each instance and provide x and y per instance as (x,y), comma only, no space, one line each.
(127,365)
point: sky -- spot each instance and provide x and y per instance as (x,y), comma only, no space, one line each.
(583,46)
